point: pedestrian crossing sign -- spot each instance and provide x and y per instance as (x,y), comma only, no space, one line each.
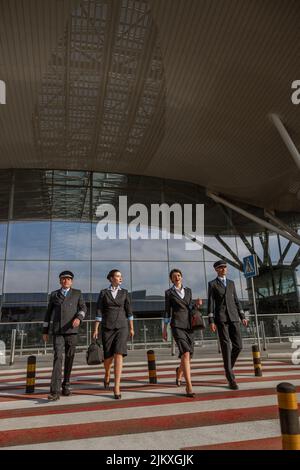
(250,266)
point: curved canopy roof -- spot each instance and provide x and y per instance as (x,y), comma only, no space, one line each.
(179,89)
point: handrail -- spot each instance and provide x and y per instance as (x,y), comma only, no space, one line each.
(274,327)
(267,315)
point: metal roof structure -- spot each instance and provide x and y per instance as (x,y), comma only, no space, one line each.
(179,89)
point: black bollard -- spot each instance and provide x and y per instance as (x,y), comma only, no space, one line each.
(30,381)
(288,414)
(256,361)
(152,367)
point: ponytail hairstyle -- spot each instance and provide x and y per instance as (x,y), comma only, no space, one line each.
(112,273)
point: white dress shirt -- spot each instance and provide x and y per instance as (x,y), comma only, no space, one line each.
(223,280)
(65,291)
(180,291)
(114,290)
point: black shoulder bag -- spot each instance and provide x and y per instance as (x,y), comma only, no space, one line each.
(94,354)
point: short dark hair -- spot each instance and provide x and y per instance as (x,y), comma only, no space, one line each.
(174,271)
(112,273)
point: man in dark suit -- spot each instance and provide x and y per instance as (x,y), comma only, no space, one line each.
(67,309)
(224,315)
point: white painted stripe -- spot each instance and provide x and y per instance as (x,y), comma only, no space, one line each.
(216,361)
(196,378)
(170,439)
(131,370)
(134,413)
(143,371)
(133,394)
(85,380)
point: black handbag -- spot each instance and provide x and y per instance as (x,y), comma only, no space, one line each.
(197,321)
(94,354)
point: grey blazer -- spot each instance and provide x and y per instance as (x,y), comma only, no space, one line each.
(223,303)
(114,312)
(63,310)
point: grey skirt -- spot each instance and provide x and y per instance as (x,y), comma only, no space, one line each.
(184,339)
(114,341)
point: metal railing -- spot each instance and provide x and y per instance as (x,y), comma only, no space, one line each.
(26,338)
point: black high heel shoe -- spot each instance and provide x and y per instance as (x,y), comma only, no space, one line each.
(178,381)
(190,394)
(106,384)
(117,396)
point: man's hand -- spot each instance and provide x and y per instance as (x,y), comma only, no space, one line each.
(76,323)
(45,338)
(213,327)
(95,334)
(245,322)
(165,333)
(131,332)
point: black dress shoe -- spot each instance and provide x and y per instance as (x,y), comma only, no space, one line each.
(66,392)
(53,396)
(233,385)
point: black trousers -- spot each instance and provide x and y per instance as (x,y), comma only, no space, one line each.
(231,345)
(61,344)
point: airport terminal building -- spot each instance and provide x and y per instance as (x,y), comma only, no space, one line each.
(160,102)
(49,224)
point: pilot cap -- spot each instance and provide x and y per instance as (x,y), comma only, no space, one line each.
(66,274)
(219,263)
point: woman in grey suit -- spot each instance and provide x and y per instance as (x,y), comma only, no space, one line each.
(178,303)
(114,313)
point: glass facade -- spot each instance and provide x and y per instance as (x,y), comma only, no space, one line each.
(48,223)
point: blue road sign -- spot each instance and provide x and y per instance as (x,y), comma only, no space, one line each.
(250,266)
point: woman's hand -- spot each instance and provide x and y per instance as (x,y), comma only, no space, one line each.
(95,334)
(131,332)
(76,323)
(165,333)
